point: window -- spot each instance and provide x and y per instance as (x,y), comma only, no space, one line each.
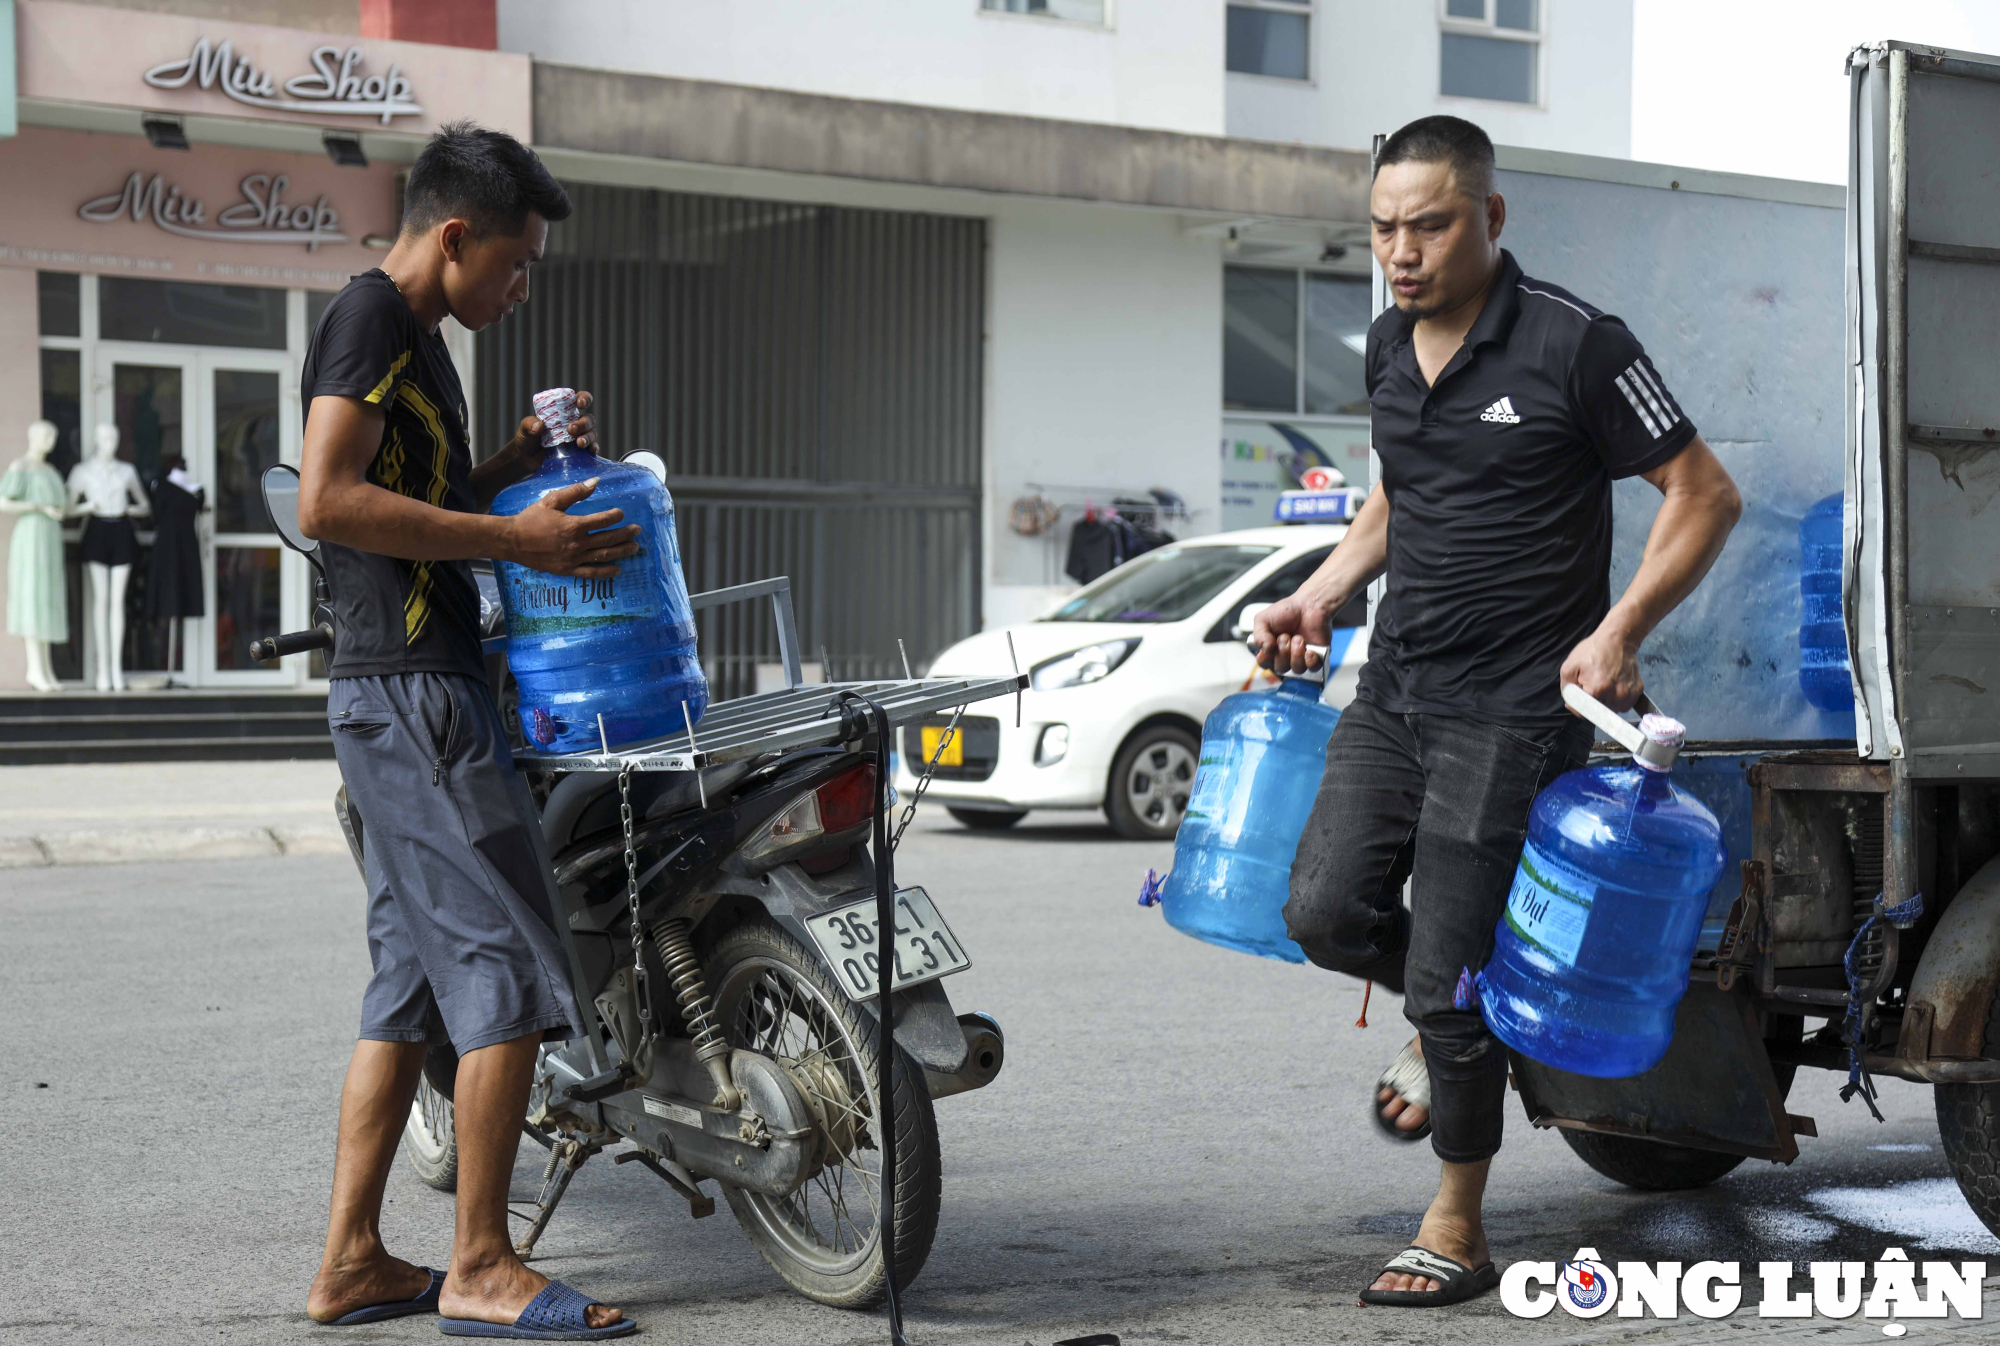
(1271,37)
(1079,11)
(1292,342)
(1167,585)
(1491,49)
(1281,584)
(186,313)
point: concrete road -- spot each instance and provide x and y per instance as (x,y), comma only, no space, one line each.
(1176,1152)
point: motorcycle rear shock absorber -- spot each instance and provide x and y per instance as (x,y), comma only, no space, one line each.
(675,940)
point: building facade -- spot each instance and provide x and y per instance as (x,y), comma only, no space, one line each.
(899,292)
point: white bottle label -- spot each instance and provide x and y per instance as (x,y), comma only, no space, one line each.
(1549,906)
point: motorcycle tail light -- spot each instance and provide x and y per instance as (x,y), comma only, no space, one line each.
(800,821)
(847,800)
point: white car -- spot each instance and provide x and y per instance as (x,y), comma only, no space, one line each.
(1122,676)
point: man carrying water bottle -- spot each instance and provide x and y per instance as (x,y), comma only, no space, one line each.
(1502,408)
(460,918)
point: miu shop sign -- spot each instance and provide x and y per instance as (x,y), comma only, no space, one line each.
(262,216)
(336,84)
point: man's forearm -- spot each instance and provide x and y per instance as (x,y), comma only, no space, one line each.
(1358,558)
(1687,535)
(369,518)
(500,471)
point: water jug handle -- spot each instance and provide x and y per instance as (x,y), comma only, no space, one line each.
(1648,751)
(1312,675)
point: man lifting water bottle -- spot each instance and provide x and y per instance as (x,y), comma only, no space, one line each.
(460,910)
(1502,409)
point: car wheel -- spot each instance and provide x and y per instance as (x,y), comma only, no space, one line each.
(987,820)
(1150,783)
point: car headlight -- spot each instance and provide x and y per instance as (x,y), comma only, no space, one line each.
(1081,667)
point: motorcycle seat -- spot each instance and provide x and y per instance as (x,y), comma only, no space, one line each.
(586,802)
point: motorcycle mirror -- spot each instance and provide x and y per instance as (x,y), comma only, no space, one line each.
(281,498)
(649,460)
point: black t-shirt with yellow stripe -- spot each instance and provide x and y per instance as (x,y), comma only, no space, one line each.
(393,615)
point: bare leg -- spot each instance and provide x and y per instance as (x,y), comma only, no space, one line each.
(1451,1226)
(99,578)
(356,1270)
(114,652)
(487,1281)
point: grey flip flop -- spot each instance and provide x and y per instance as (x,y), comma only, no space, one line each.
(1410,1078)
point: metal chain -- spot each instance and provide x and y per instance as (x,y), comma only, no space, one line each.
(924,781)
(632,897)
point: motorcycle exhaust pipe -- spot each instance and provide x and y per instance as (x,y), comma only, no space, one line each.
(985,1053)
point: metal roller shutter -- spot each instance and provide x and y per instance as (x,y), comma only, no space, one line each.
(812,377)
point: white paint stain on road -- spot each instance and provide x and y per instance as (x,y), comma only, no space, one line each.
(1927,1214)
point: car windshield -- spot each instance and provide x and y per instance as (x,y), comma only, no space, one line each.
(1162,586)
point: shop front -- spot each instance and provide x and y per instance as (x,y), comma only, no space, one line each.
(196,191)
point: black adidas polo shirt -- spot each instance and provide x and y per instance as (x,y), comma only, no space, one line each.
(1499,480)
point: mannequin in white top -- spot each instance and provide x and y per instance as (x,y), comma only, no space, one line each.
(105,489)
(36,603)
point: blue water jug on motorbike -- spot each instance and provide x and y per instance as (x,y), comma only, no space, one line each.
(1590,958)
(619,650)
(1262,755)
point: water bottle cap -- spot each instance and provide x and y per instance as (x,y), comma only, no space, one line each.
(1664,737)
(557,408)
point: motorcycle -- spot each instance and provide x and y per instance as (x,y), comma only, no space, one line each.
(721,925)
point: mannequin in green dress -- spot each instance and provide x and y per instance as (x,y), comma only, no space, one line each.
(37,597)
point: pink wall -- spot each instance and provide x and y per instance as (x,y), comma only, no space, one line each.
(41,228)
(93,54)
(21,389)
(459,23)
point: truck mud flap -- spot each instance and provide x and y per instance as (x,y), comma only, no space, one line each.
(1714,1089)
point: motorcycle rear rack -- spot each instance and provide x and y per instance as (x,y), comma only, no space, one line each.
(801,715)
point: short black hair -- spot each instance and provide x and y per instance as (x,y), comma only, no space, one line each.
(1444,140)
(486,178)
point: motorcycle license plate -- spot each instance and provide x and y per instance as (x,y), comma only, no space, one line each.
(954,747)
(925,947)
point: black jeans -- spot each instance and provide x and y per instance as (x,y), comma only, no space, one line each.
(1442,802)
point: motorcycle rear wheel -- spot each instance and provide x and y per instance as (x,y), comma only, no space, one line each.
(430,1139)
(774,996)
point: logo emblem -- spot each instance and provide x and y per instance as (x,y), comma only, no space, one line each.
(1502,412)
(1587,1286)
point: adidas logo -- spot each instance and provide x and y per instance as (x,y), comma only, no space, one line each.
(1502,412)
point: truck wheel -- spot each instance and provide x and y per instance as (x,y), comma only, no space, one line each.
(1151,780)
(987,820)
(1969,1126)
(1647,1164)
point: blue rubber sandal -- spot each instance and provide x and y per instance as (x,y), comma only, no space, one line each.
(427,1302)
(556,1314)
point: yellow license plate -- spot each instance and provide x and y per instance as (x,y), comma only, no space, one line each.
(954,747)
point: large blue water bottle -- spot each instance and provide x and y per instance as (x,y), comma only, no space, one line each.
(1262,754)
(1822,625)
(600,661)
(1590,958)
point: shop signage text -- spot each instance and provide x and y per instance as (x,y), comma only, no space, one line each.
(262,216)
(336,84)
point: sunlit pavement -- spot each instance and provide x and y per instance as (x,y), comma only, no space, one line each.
(1177,1150)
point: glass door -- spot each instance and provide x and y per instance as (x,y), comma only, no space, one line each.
(244,429)
(149,394)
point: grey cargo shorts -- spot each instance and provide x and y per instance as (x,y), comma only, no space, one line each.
(461,900)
